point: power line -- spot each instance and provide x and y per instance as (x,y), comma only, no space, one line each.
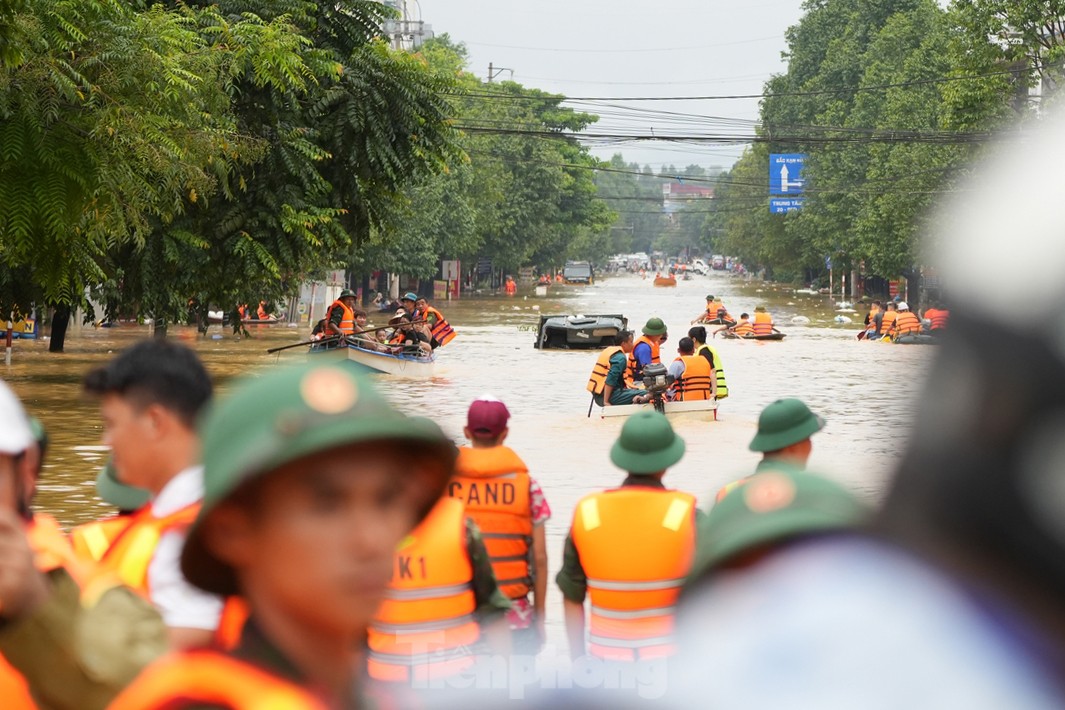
(633,50)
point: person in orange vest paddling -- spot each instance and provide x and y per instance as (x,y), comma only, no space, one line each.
(340,316)
(629,549)
(312,482)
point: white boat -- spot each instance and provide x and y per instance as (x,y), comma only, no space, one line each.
(697,405)
(401,365)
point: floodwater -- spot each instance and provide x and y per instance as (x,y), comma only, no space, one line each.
(865,391)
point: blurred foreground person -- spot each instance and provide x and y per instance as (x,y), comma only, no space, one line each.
(312,480)
(73,641)
(91,540)
(955,598)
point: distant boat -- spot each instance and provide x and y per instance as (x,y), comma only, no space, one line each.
(771,336)
(413,365)
(665,281)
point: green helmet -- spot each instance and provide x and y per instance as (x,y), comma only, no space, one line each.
(347,293)
(647,444)
(771,507)
(783,423)
(286,415)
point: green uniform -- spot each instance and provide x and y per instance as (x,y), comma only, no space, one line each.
(76,656)
(491,602)
(615,377)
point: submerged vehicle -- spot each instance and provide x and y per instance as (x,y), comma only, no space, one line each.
(578,332)
(577,272)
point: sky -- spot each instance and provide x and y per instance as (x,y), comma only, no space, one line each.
(597,49)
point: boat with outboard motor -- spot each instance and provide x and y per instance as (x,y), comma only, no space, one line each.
(693,406)
(578,332)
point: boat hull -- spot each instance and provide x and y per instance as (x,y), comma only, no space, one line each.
(771,336)
(381,363)
(921,339)
(665,281)
(696,406)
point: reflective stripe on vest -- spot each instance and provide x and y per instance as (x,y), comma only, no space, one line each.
(634,367)
(635,545)
(493,482)
(597,380)
(694,382)
(441,330)
(719,370)
(763,323)
(212,678)
(425,625)
(91,540)
(131,553)
(347,321)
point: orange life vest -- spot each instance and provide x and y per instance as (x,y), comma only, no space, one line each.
(744,328)
(131,552)
(494,484)
(763,323)
(425,626)
(51,551)
(694,384)
(512,287)
(635,545)
(906,323)
(205,677)
(719,371)
(870,320)
(261,312)
(441,330)
(717,309)
(347,321)
(888,322)
(938,318)
(597,380)
(91,540)
(634,367)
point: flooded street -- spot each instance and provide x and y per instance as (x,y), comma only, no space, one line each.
(865,391)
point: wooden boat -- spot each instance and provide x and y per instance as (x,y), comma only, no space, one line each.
(696,406)
(578,332)
(665,281)
(732,336)
(401,365)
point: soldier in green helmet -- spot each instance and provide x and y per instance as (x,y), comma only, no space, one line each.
(311,481)
(629,549)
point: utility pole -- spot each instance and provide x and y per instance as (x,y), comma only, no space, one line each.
(494,71)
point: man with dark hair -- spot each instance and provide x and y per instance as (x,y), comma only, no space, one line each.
(611,380)
(150,396)
(692,374)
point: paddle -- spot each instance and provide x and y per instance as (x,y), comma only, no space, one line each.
(863,335)
(590,407)
(332,338)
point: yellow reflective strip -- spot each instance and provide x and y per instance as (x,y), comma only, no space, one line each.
(133,567)
(95,540)
(678,510)
(590,514)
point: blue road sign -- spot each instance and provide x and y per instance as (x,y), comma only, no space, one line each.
(780,206)
(785,173)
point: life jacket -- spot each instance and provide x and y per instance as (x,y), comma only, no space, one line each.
(870,320)
(51,551)
(426,624)
(634,367)
(719,371)
(636,546)
(694,384)
(347,321)
(906,323)
(597,380)
(261,312)
(91,540)
(743,328)
(235,612)
(888,322)
(512,287)
(494,484)
(441,330)
(763,323)
(207,677)
(719,311)
(938,318)
(132,551)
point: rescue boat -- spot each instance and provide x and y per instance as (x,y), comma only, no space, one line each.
(728,334)
(403,364)
(697,406)
(665,281)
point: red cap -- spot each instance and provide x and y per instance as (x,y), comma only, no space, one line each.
(487,418)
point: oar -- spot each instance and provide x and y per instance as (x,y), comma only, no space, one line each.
(590,407)
(332,338)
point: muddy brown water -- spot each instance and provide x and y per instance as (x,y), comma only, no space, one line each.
(865,391)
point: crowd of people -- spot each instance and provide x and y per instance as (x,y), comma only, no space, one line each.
(415,328)
(895,320)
